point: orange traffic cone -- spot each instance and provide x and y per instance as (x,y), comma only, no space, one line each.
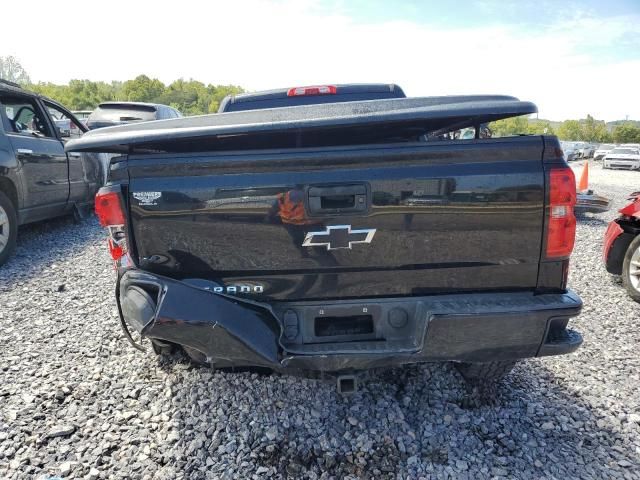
(583,185)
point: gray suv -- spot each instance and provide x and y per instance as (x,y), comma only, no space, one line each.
(117,113)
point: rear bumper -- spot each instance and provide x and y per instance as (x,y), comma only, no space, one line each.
(236,332)
(591,203)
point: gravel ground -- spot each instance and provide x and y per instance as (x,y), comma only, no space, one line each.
(77,401)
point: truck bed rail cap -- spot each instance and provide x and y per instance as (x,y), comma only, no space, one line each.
(429,113)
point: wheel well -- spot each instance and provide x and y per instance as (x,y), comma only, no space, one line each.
(9,189)
(617,253)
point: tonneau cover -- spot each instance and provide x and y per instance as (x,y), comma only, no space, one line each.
(419,115)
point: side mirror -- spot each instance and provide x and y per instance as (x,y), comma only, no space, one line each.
(64,132)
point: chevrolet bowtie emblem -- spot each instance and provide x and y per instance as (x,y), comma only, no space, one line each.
(338,236)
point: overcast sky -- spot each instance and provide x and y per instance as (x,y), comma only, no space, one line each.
(570,58)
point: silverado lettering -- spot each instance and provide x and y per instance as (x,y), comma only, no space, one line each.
(239,289)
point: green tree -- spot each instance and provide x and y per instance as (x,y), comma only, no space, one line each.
(606,137)
(520,126)
(190,97)
(594,130)
(510,126)
(80,94)
(570,130)
(10,69)
(540,127)
(142,89)
(626,133)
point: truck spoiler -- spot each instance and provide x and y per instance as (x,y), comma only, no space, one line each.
(400,116)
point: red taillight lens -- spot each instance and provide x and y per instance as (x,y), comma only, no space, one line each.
(110,212)
(315,90)
(561,221)
(109,209)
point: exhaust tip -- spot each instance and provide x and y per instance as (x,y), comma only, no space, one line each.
(347,384)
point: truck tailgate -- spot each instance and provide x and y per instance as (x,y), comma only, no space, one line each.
(344,222)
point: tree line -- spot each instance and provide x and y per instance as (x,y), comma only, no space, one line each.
(191,97)
(586,130)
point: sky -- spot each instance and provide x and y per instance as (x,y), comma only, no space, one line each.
(570,58)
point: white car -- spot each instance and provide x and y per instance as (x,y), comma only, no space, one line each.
(603,150)
(624,157)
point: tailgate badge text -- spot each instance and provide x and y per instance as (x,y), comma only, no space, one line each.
(147,198)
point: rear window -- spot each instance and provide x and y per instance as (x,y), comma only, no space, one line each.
(308,95)
(119,113)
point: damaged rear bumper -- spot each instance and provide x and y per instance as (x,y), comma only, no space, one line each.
(379,332)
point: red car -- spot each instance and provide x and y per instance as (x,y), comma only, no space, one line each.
(621,251)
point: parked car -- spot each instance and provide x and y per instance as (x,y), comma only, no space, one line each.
(625,157)
(108,114)
(62,124)
(38,180)
(571,151)
(603,150)
(66,127)
(621,250)
(587,151)
(279,255)
(578,147)
(82,115)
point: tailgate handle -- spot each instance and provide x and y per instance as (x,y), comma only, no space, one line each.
(336,199)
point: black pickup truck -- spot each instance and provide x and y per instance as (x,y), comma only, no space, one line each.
(38,180)
(337,237)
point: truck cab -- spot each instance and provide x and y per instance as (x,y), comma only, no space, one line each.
(310,95)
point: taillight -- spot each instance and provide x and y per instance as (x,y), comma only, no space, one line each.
(110,213)
(315,90)
(109,208)
(561,221)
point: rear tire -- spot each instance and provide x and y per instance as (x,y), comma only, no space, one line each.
(631,269)
(485,374)
(8,228)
